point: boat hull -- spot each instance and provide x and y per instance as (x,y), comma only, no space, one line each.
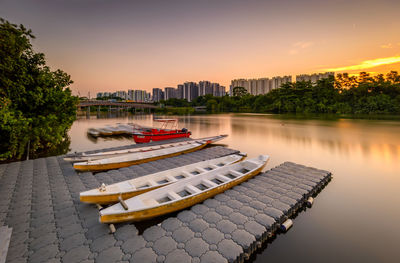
(141,215)
(110,166)
(112,198)
(146,138)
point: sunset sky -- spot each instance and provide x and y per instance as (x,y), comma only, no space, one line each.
(120,45)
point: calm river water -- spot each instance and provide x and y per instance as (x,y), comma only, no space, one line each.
(354,219)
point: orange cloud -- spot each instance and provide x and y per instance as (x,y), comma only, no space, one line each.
(300,45)
(303,44)
(367,64)
(387,45)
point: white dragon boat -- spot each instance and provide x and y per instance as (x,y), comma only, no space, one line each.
(182,194)
(109,154)
(109,194)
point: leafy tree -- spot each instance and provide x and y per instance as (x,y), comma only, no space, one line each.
(175,102)
(37,107)
(344,94)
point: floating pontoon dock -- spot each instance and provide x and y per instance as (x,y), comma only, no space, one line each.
(39,200)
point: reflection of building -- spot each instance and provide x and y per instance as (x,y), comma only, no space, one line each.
(260,86)
(314,77)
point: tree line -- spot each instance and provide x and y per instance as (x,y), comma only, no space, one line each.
(36,105)
(343,94)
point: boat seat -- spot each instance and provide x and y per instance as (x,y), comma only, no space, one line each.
(171,179)
(235,173)
(186,174)
(173,195)
(223,178)
(132,184)
(208,183)
(202,169)
(151,182)
(150,202)
(192,189)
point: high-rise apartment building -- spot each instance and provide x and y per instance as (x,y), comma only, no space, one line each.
(260,86)
(205,87)
(140,95)
(217,90)
(121,94)
(158,94)
(135,95)
(314,77)
(170,92)
(130,94)
(190,90)
(147,97)
(179,94)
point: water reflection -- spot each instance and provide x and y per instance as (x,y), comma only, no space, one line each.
(345,137)
(349,218)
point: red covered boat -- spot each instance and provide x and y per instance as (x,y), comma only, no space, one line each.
(164,133)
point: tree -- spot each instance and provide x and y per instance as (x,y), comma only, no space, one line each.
(37,107)
(239,91)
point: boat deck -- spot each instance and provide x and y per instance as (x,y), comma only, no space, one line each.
(39,199)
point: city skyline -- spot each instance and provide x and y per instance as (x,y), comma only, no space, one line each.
(122,45)
(188,91)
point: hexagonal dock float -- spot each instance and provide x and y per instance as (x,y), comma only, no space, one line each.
(39,199)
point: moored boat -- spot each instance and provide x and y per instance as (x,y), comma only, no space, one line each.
(104,131)
(108,154)
(119,129)
(183,193)
(109,194)
(163,133)
(93,132)
(139,157)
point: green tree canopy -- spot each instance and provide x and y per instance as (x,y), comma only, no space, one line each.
(345,94)
(36,105)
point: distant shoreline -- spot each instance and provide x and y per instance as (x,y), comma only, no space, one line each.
(297,116)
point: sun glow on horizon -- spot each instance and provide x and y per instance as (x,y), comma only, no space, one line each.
(367,64)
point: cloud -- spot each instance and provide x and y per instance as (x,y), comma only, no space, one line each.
(387,45)
(303,44)
(300,45)
(367,64)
